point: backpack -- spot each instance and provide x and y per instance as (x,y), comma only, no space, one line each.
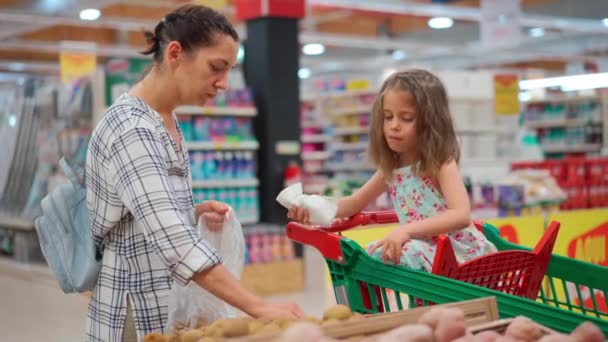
(64,231)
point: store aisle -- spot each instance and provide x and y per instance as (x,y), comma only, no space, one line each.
(33,308)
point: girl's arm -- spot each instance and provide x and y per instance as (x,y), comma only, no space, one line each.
(356,202)
(458,213)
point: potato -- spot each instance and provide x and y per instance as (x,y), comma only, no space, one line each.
(192,336)
(587,332)
(155,337)
(410,333)
(200,324)
(177,337)
(356,317)
(301,332)
(330,322)
(557,338)
(255,327)
(451,325)
(235,328)
(271,328)
(523,328)
(339,312)
(431,317)
(314,320)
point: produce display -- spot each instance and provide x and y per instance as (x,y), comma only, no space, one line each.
(438,324)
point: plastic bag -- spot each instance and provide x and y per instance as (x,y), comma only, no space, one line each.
(322,210)
(191,305)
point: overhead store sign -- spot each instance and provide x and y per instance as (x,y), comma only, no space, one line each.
(500,23)
(77,60)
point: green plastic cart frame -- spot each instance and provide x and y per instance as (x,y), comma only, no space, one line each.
(360,281)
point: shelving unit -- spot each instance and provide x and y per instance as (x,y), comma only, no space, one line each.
(568,124)
(220,140)
(582,148)
(338,164)
(214,146)
(228,183)
(16,223)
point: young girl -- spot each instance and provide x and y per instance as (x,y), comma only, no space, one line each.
(413,145)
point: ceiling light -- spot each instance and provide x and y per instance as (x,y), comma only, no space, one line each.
(313,49)
(568,83)
(12,120)
(304,73)
(439,23)
(605,21)
(536,32)
(90,14)
(399,55)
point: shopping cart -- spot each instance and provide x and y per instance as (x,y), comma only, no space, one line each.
(361,281)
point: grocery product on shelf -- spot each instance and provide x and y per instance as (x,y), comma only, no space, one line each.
(244,200)
(567,124)
(220,141)
(267,244)
(584,181)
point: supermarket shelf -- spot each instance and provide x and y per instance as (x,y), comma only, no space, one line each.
(351,130)
(572,149)
(337,94)
(478,130)
(558,123)
(563,99)
(320,155)
(249,220)
(485,162)
(208,145)
(315,169)
(226,183)
(349,146)
(312,124)
(361,109)
(315,138)
(349,166)
(16,223)
(220,111)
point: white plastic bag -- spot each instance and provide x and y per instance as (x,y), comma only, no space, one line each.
(191,304)
(322,210)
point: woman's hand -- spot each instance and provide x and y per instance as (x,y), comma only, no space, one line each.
(214,214)
(279,310)
(299,214)
(392,245)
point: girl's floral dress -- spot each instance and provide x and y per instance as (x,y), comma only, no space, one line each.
(415,199)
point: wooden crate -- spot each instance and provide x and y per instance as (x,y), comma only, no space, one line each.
(477,312)
(274,278)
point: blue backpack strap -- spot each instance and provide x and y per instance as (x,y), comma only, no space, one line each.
(75,176)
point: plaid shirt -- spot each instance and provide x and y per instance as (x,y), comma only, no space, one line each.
(139,194)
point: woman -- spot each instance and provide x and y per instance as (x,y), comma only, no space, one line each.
(139,186)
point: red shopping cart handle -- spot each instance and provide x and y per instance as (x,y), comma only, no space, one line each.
(362,219)
(328,243)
